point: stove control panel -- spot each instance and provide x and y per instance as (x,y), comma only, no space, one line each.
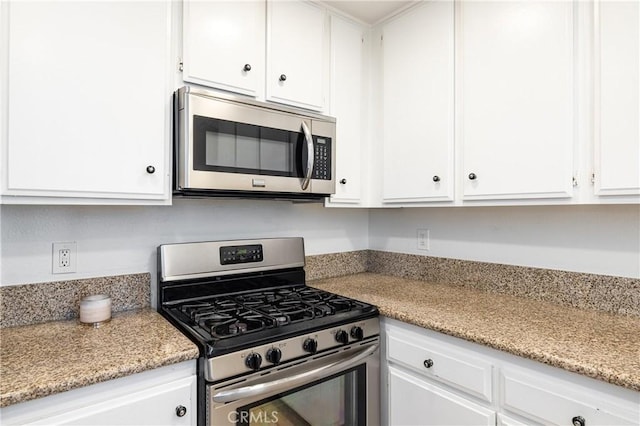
(280,352)
(230,255)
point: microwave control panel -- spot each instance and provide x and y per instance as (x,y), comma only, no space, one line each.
(322,162)
(230,255)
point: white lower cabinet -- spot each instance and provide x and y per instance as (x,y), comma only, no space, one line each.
(430,378)
(417,402)
(547,400)
(165,396)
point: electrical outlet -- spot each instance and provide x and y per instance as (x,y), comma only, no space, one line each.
(64,258)
(423,239)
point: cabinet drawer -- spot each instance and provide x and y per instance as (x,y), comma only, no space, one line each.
(550,401)
(442,363)
(415,402)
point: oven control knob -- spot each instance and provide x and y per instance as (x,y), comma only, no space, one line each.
(357,333)
(342,337)
(274,355)
(253,361)
(310,345)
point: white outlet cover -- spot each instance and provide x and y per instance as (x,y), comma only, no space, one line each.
(423,239)
(56,267)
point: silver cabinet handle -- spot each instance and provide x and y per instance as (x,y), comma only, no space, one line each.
(298,379)
(310,155)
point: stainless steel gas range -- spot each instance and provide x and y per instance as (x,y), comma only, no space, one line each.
(273,350)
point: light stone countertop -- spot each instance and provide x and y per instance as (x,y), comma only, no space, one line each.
(593,343)
(44,359)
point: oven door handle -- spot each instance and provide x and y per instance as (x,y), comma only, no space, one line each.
(310,155)
(298,379)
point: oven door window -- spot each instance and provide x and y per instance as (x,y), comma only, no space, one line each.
(227,146)
(334,401)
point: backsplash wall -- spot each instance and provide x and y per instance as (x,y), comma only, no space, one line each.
(116,240)
(595,239)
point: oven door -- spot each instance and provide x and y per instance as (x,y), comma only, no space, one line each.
(341,388)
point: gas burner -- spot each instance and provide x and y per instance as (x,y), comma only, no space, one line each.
(238,327)
(242,324)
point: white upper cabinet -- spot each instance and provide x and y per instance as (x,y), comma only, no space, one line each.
(418,105)
(349,107)
(88,101)
(223,44)
(617,83)
(297,54)
(516,95)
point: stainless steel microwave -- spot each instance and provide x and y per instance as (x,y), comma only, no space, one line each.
(227,146)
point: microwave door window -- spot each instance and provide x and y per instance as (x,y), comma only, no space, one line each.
(234,146)
(226,146)
(277,148)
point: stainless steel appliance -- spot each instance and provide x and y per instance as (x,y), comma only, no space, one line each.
(273,350)
(232,146)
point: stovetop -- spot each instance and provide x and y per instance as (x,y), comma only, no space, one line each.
(232,321)
(232,295)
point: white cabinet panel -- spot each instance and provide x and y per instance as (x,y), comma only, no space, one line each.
(151,397)
(88,99)
(526,392)
(296,54)
(415,402)
(517,99)
(347,105)
(154,406)
(443,364)
(418,79)
(550,401)
(223,44)
(504,420)
(617,121)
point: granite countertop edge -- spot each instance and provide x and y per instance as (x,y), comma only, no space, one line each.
(53,388)
(588,370)
(387,293)
(65,376)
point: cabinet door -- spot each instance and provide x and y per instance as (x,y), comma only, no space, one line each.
(617,138)
(418,75)
(296,54)
(223,44)
(517,99)
(549,400)
(348,106)
(155,406)
(415,402)
(88,99)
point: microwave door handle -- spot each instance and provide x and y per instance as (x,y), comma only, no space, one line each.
(310,155)
(298,379)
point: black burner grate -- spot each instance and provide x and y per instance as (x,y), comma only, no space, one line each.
(231,315)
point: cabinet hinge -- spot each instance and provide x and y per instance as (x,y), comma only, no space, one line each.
(593,178)
(180,65)
(575,181)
